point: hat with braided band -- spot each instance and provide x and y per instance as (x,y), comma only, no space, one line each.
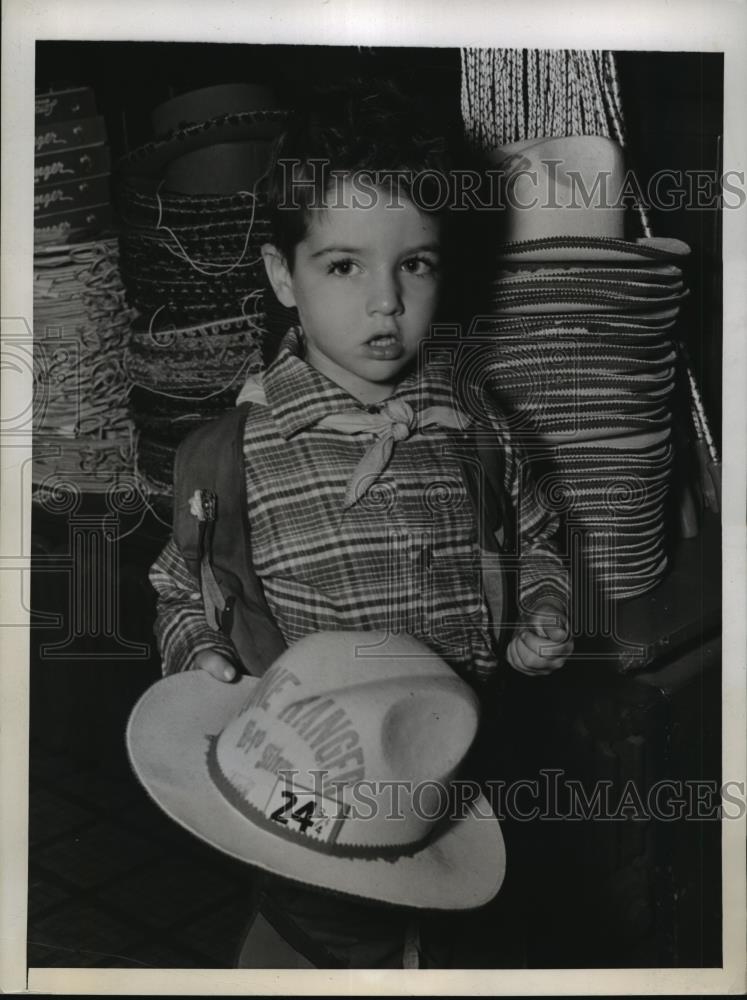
(335,769)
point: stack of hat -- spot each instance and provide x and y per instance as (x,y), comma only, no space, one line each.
(82,433)
(181,377)
(194,218)
(72,197)
(583,359)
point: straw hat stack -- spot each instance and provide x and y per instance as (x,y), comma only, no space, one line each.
(583,359)
(193,221)
(82,431)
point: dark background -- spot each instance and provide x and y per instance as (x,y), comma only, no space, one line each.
(113,884)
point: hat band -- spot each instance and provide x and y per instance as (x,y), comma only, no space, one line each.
(328,846)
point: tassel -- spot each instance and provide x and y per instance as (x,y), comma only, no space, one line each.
(204,506)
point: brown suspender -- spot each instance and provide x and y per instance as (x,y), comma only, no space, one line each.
(217,550)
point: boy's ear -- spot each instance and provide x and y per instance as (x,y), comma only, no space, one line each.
(279,274)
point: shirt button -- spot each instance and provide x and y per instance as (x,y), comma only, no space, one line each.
(195,595)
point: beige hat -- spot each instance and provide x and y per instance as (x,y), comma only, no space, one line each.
(334,769)
(562,186)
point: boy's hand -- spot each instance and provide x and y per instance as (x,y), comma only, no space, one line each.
(538,648)
(216,665)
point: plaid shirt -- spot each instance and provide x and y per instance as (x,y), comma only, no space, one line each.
(404,557)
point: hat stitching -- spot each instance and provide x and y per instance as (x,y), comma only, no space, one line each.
(644,249)
(257,817)
(186,131)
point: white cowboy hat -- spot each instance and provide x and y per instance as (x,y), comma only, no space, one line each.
(562,185)
(251,768)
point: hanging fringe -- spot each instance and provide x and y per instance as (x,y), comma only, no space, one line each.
(509,95)
(514,94)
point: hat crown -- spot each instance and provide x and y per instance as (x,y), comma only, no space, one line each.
(209,102)
(344,720)
(562,185)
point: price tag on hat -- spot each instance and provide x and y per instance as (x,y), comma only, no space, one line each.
(305,811)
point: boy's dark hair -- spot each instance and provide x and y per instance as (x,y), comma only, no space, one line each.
(367,129)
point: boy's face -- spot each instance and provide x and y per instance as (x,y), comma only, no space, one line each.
(366,283)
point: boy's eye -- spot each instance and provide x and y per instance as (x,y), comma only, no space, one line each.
(342,267)
(420,265)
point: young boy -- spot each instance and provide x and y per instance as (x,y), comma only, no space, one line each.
(359,514)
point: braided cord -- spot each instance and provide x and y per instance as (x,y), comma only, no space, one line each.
(513,94)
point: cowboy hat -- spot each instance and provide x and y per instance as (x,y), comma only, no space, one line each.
(293,772)
(562,185)
(193,214)
(243,118)
(552,248)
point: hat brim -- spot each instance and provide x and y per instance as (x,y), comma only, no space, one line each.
(596,249)
(152,158)
(167,742)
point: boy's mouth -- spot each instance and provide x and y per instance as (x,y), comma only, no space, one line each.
(384,346)
(382,339)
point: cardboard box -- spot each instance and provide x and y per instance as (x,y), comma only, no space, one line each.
(69,227)
(54,137)
(64,105)
(51,199)
(57,168)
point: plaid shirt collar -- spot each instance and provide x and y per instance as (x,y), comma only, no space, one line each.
(299,395)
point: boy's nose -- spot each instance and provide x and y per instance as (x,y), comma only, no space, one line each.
(384,295)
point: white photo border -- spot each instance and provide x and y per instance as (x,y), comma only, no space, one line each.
(680,25)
